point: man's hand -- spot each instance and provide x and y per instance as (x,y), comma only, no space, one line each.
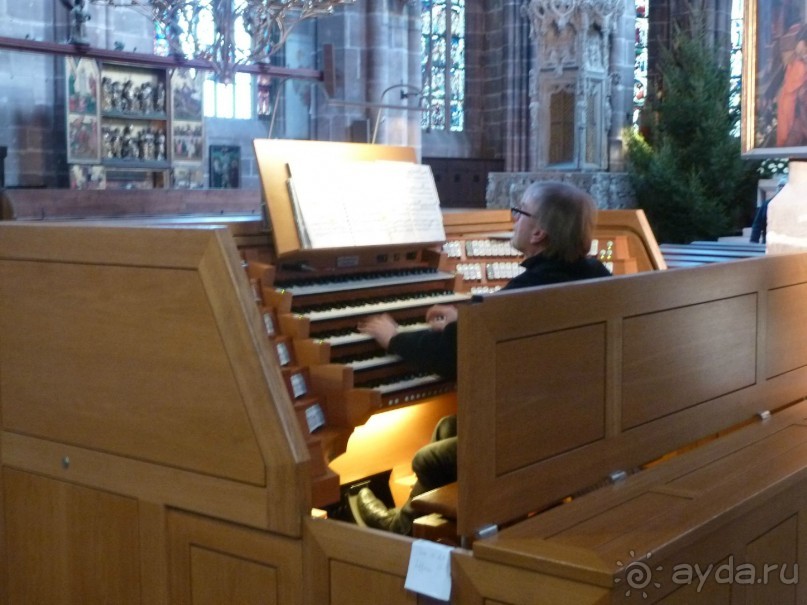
(440,315)
(381,327)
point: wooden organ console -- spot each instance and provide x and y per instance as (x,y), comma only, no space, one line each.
(161,441)
(478,246)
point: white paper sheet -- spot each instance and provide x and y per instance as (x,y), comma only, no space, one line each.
(429,571)
(348,204)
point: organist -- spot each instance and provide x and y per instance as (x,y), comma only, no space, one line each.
(553,227)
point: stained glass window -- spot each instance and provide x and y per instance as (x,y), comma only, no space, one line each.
(234,100)
(640,63)
(736,53)
(443,64)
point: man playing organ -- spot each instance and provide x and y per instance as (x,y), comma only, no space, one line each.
(553,227)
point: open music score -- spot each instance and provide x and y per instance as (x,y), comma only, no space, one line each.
(359,203)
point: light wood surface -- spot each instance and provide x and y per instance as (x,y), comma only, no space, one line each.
(63,204)
(205,498)
(677,357)
(214,563)
(50,535)
(106,370)
(641,240)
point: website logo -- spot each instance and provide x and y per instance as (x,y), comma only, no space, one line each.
(640,577)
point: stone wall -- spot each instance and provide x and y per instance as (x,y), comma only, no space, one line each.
(611,190)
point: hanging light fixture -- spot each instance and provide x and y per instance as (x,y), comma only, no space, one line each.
(227,33)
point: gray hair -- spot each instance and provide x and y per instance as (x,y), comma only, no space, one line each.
(566,213)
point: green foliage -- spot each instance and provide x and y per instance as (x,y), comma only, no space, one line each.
(688,175)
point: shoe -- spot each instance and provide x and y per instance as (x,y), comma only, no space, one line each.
(373,511)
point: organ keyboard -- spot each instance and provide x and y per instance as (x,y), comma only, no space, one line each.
(323,311)
(315,299)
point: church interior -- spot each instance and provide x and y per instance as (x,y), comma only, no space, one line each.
(204,204)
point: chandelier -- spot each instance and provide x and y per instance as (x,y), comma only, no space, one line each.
(227,33)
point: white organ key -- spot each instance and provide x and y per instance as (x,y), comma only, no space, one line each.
(410,383)
(354,337)
(373,362)
(383,307)
(360,284)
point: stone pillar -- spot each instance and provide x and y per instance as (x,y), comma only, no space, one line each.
(517,66)
(390,77)
(378,61)
(623,56)
(411,13)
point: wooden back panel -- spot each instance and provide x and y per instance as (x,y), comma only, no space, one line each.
(146,345)
(61,204)
(467,221)
(641,240)
(274,155)
(562,385)
(631,224)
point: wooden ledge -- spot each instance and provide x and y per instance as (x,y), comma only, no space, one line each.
(442,501)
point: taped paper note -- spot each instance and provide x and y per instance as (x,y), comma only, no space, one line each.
(429,570)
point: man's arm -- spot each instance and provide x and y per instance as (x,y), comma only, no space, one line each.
(431,350)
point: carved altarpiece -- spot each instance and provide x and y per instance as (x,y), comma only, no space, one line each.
(571,82)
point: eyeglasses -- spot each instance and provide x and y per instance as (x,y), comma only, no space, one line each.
(516,212)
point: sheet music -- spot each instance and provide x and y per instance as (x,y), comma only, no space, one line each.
(347,204)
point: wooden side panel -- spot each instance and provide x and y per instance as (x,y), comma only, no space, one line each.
(345,565)
(218,578)
(560,386)
(724,523)
(773,557)
(534,422)
(67,544)
(214,563)
(642,242)
(682,357)
(143,348)
(786,341)
(697,593)
(149,398)
(478,582)
(352,583)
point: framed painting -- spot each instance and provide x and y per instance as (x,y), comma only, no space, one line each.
(774,101)
(82,86)
(225,166)
(186,94)
(188,141)
(82,138)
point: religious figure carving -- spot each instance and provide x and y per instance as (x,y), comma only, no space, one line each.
(127,97)
(79,15)
(573,38)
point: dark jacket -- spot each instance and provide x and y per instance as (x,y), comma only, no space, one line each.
(436,351)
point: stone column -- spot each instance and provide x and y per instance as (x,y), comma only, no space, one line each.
(378,62)
(623,56)
(517,65)
(411,13)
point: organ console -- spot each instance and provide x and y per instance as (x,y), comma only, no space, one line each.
(320,295)
(172,416)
